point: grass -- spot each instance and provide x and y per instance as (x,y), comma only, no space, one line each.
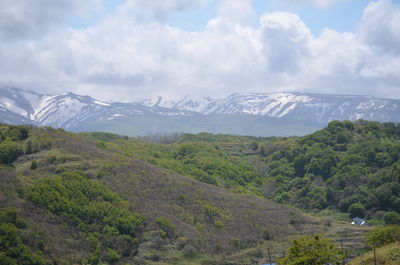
(386,255)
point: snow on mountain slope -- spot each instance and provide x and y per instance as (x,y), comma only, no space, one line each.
(70,110)
(156,102)
(19,101)
(274,105)
(320,108)
(202,105)
(67,110)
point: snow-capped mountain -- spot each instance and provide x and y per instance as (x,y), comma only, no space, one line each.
(320,108)
(76,112)
(68,110)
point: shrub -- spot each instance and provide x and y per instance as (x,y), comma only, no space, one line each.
(166,225)
(382,236)
(34,165)
(9,151)
(87,203)
(392,218)
(312,250)
(12,248)
(219,224)
(112,255)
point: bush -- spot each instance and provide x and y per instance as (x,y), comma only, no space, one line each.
(88,204)
(382,236)
(166,225)
(12,248)
(312,250)
(392,218)
(112,256)
(10,151)
(34,165)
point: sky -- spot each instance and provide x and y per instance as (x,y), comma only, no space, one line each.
(123,50)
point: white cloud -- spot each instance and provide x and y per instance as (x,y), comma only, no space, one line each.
(380,25)
(286,41)
(240,11)
(124,57)
(22,19)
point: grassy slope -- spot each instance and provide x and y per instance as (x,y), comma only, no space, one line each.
(213,220)
(386,255)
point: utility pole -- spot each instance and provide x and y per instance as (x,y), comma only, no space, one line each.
(269,255)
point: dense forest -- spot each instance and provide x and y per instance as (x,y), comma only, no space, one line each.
(100,198)
(351,167)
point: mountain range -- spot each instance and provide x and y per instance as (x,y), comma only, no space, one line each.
(259,114)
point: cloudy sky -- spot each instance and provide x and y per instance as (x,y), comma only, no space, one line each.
(131,49)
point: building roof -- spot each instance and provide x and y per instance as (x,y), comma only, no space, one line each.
(359,221)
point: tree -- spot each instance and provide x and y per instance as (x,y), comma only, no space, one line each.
(392,218)
(312,250)
(357,210)
(381,236)
(9,151)
(299,164)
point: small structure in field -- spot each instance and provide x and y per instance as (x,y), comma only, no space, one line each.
(359,221)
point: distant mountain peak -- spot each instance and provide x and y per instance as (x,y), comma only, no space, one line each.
(70,110)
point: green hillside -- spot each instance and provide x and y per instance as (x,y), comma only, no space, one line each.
(98,198)
(69,199)
(347,167)
(386,255)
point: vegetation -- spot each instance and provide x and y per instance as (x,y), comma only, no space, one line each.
(382,236)
(351,167)
(312,250)
(206,198)
(348,167)
(13,250)
(85,201)
(88,204)
(386,255)
(204,162)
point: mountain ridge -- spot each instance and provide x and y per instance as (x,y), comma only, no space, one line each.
(73,111)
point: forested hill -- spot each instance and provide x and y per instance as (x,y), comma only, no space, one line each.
(352,167)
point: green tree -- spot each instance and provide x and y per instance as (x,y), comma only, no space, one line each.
(312,250)
(299,164)
(9,151)
(392,218)
(381,236)
(357,210)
